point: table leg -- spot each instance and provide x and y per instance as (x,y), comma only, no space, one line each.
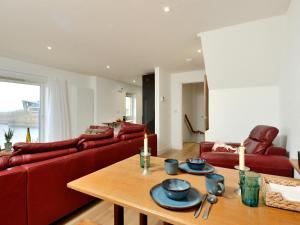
(118,215)
(143,219)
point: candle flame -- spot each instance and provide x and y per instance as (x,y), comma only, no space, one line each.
(146,136)
(242,144)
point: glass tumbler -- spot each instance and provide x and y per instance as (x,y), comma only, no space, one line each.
(250,186)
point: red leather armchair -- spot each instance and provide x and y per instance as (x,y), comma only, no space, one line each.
(261,156)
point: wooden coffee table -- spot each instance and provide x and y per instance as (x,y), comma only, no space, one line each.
(124,185)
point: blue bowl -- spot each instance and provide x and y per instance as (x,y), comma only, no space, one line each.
(176,189)
(196,163)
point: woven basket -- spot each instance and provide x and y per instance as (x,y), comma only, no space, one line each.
(275,199)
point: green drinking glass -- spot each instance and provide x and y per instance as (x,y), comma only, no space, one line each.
(250,185)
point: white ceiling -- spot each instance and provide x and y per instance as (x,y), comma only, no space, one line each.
(132,36)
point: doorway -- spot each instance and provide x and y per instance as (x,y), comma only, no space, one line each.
(193,111)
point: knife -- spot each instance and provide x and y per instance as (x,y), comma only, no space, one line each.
(197,212)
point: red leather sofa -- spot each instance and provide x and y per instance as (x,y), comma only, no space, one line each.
(261,156)
(33,180)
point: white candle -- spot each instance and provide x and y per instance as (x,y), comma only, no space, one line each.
(242,157)
(146,145)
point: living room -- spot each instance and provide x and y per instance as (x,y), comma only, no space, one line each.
(75,107)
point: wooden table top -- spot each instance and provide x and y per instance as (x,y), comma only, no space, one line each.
(123,184)
(294,163)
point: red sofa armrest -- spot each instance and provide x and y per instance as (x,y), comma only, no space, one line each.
(273,150)
(205,146)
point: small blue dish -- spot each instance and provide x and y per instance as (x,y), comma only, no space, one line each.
(196,163)
(159,197)
(176,189)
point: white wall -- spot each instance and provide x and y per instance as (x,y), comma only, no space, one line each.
(162,109)
(244,55)
(177,80)
(243,64)
(290,80)
(193,107)
(39,74)
(111,101)
(234,112)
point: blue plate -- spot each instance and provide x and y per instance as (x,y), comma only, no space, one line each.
(159,196)
(207,169)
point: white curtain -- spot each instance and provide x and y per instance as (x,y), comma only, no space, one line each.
(58,121)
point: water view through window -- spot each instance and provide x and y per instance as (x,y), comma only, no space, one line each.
(19,110)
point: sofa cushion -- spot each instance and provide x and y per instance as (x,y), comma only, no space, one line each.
(4,162)
(124,137)
(255,147)
(264,133)
(260,138)
(31,158)
(109,133)
(31,148)
(129,128)
(96,143)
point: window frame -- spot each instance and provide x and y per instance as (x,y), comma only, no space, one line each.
(132,100)
(29,80)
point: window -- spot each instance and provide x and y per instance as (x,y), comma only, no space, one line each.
(19,110)
(129,106)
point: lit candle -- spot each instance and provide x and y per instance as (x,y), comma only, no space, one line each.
(242,157)
(146,144)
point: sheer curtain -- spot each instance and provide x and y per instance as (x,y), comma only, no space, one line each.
(58,121)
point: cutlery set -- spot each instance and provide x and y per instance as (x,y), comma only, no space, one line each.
(211,199)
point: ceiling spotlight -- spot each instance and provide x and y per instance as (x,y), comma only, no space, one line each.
(199,51)
(108,67)
(49,47)
(188,59)
(166,9)
(134,81)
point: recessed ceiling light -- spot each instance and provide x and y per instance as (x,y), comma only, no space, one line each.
(108,67)
(134,81)
(167,9)
(188,59)
(199,50)
(49,47)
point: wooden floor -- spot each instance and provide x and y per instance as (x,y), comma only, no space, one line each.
(102,212)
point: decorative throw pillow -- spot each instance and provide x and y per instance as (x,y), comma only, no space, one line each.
(129,128)
(223,147)
(109,133)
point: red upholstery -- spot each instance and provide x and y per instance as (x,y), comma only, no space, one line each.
(48,196)
(261,155)
(31,158)
(91,137)
(35,193)
(4,161)
(269,164)
(260,138)
(272,150)
(125,137)
(30,148)
(13,198)
(96,143)
(128,128)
